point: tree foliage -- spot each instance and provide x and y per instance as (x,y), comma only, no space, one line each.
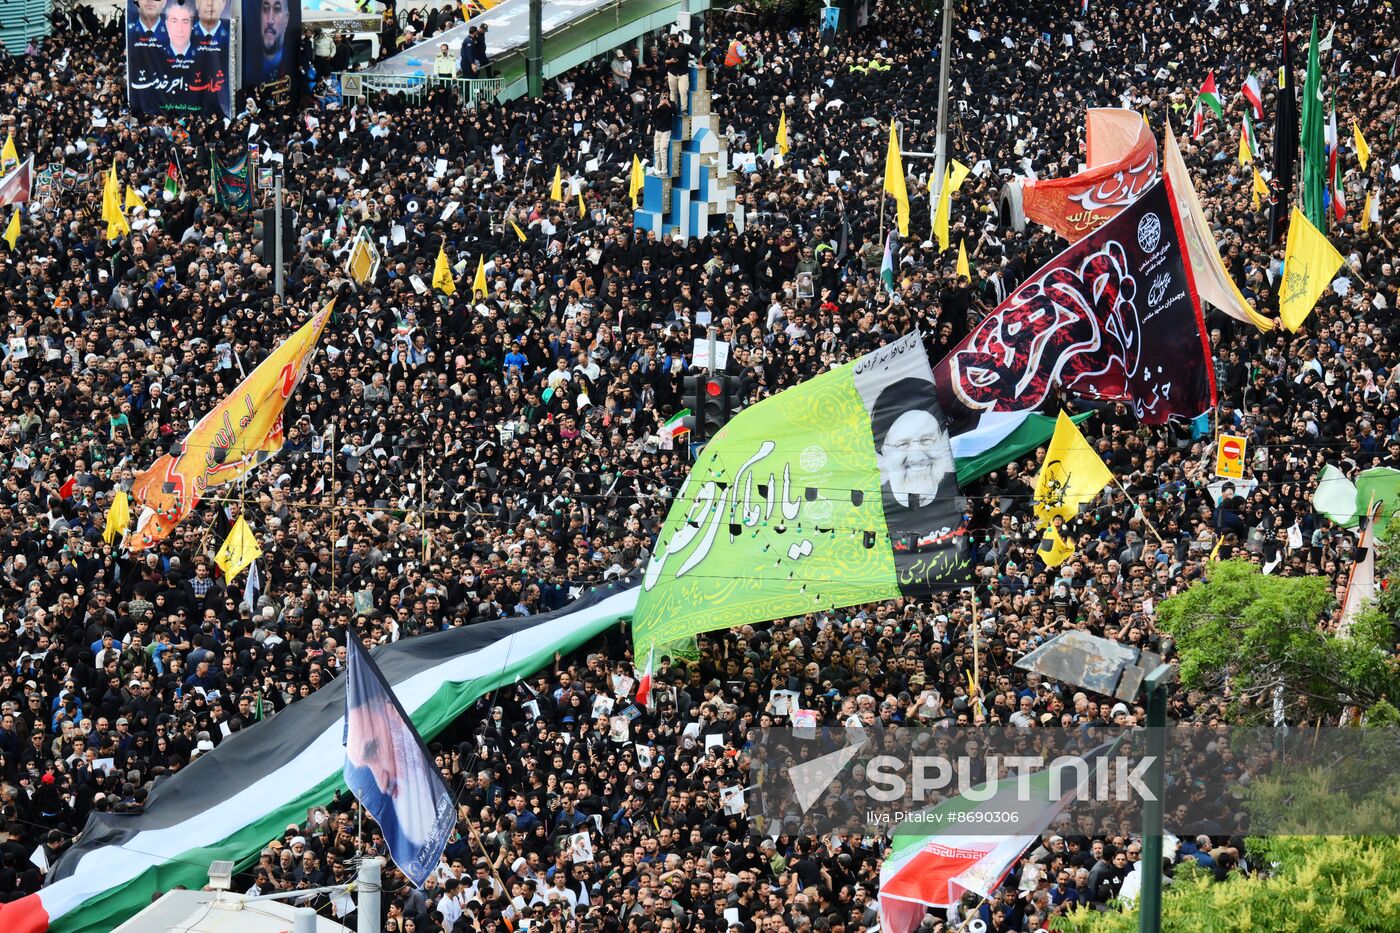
(1321,884)
(1243,634)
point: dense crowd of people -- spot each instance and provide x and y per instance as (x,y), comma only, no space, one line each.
(453,460)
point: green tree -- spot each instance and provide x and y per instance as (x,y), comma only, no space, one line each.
(1319,884)
(1247,635)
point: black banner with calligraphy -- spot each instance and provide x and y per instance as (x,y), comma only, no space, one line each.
(177,57)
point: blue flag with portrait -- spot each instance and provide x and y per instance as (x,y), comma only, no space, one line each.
(389,771)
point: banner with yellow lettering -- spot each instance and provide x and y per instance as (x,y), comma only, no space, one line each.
(244,430)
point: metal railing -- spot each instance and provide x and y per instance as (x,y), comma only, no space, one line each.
(416,86)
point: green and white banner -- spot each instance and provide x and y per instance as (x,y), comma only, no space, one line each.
(839,491)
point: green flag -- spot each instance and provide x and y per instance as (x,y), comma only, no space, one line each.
(1314,140)
(839,491)
(1345,502)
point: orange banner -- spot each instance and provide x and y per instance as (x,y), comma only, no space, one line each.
(241,432)
(1122,155)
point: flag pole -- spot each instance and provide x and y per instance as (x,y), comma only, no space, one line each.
(976,643)
(1147,521)
(1351,574)
(423,501)
(940,161)
(335,513)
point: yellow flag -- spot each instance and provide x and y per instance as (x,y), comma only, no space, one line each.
(1309,263)
(1054,550)
(241,431)
(12,229)
(1261,189)
(479,283)
(9,156)
(112,205)
(518,232)
(133,200)
(638,179)
(118,517)
(1072,474)
(239,549)
(1245,156)
(940,213)
(963,269)
(556,192)
(894,181)
(1144,120)
(782,132)
(442,273)
(957,174)
(1219,540)
(1363,151)
(582,211)
(1365,219)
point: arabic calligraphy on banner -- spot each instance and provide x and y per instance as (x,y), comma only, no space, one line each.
(177,56)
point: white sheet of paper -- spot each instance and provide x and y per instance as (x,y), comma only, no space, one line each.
(439,168)
(450,209)
(398,235)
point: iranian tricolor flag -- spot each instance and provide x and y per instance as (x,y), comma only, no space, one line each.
(1252,94)
(1334,177)
(928,867)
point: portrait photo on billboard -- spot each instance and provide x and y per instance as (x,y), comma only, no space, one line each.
(271,39)
(178,56)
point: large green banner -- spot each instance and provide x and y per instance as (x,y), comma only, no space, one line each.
(836,492)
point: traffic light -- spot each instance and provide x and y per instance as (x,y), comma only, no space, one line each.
(264,222)
(733,396)
(692,389)
(712,412)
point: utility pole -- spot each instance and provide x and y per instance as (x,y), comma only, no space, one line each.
(277,235)
(367,894)
(534,58)
(945,57)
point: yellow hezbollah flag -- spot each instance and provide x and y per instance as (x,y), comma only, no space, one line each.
(112,205)
(133,200)
(1308,266)
(894,182)
(9,156)
(556,191)
(1245,156)
(1054,550)
(957,174)
(1363,151)
(479,283)
(940,213)
(12,229)
(236,436)
(963,269)
(442,273)
(782,132)
(1071,476)
(1365,219)
(582,211)
(239,550)
(118,517)
(1261,189)
(518,232)
(638,179)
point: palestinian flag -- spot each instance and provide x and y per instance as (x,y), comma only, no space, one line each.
(1252,94)
(1206,98)
(171,189)
(887,264)
(678,424)
(230,802)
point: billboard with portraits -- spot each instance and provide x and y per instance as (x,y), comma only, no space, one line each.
(271,48)
(177,54)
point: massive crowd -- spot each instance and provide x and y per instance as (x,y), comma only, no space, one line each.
(116,671)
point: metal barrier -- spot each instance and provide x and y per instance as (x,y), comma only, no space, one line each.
(468,90)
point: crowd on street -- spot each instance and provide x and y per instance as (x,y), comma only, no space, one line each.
(450,460)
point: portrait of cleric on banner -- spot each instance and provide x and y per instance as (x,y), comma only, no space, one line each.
(271,40)
(918,476)
(178,56)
